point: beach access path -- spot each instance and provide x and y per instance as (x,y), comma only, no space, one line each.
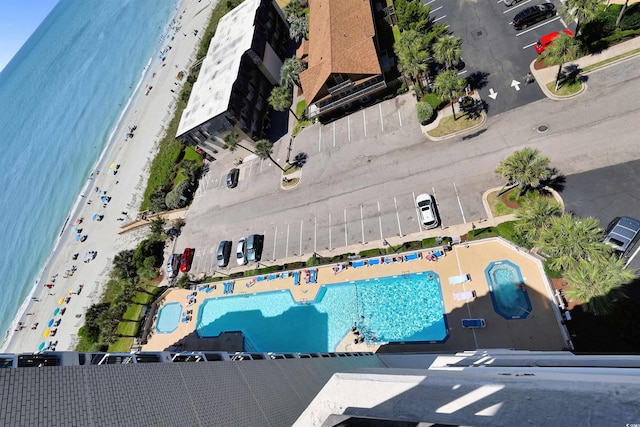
(150,111)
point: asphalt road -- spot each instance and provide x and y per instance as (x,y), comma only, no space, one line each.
(494,52)
(363,171)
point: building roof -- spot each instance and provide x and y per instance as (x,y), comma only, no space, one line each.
(340,41)
(212,91)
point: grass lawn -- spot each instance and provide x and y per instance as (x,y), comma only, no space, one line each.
(447,125)
(128,329)
(482,233)
(498,208)
(122,345)
(133,312)
(566,89)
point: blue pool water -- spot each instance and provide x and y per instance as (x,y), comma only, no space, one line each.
(508,293)
(169,317)
(387,309)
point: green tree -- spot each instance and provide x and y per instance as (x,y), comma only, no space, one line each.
(582,11)
(425,112)
(180,195)
(290,71)
(298,28)
(146,249)
(232,142)
(264,150)
(413,15)
(91,320)
(598,285)
(569,238)
(562,50)
(293,10)
(281,98)
(526,168)
(449,85)
(190,168)
(534,215)
(412,54)
(157,200)
(157,227)
(447,50)
(123,266)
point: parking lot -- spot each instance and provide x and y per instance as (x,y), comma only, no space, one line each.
(497,56)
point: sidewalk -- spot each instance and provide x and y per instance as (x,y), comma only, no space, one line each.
(548,75)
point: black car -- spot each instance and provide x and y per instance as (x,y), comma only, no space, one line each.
(533,14)
(232,178)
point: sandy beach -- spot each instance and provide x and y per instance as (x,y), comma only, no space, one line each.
(71,286)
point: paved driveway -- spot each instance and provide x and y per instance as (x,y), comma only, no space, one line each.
(494,52)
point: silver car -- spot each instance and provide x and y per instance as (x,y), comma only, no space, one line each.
(241,252)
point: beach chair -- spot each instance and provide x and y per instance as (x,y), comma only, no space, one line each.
(473,323)
(230,287)
(271,277)
(464,295)
(412,257)
(313,276)
(296,278)
(284,275)
(438,254)
(458,280)
(358,264)
(260,279)
(374,261)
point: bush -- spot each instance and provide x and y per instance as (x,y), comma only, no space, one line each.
(434,100)
(551,273)
(631,18)
(179,196)
(368,253)
(482,233)
(402,89)
(425,112)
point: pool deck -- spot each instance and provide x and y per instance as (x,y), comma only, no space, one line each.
(541,330)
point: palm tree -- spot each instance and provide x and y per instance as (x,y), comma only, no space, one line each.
(598,284)
(264,150)
(569,238)
(449,85)
(290,71)
(281,98)
(412,54)
(525,168)
(298,28)
(535,214)
(293,10)
(447,51)
(624,8)
(232,142)
(562,50)
(582,11)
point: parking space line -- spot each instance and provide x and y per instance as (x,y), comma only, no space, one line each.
(364,124)
(436,202)
(286,246)
(428,3)
(362,224)
(413,194)
(319,138)
(275,240)
(349,127)
(221,179)
(300,252)
(399,117)
(632,257)
(261,164)
(527,46)
(395,202)
(464,220)
(334,134)
(436,9)
(537,26)
(442,17)
(330,246)
(315,234)
(346,238)
(380,221)
(381,121)
(462,72)
(250,168)
(511,9)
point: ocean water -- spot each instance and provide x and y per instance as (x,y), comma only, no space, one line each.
(60,99)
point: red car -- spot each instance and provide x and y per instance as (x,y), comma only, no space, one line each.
(186,259)
(545,41)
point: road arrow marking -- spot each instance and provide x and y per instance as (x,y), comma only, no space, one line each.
(516,84)
(492,94)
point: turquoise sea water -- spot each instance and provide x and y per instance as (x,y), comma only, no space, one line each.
(61,97)
(386,309)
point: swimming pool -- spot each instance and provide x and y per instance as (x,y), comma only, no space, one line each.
(508,292)
(387,309)
(168,317)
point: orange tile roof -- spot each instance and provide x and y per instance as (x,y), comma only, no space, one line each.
(340,41)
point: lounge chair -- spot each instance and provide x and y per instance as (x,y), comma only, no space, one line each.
(357,264)
(260,278)
(296,278)
(208,290)
(201,288)
(313,276)
(272,277)
(464,295)
(458,280)
(374,261)
(284,275)
(439,253)
(412,257)
(473,323)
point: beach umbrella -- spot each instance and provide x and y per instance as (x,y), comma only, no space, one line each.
(95,217)
(41,346)
(56,311)
(47,332)
(50,323)
(113,165)
(78,237)
(104,198)
(61,300)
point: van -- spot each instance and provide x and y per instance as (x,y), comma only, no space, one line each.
(622,234)
(254,247)
(224,252)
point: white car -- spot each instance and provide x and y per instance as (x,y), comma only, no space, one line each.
(241,252)
(427,208)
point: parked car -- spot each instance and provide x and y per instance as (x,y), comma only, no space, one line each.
(173,265)
(224,253)
(545,41)
(533,14)
(186,259)
(241,252)
(232,178)
(427,207)
(254,247)
(622,234)
(510,2)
